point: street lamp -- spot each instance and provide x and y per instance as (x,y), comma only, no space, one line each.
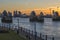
(18,26)
(18,23)
(35,29)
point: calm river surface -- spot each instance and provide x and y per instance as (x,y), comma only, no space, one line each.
(49,27)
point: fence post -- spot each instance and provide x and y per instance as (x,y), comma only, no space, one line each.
(46,37)
(17,31)
(21,29)
(26,34)
(35,35)
(24,30)
(40,36)
(52,38)
(9,26)
(29,34)
(32,33)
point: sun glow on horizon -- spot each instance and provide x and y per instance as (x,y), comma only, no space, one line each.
(37,10)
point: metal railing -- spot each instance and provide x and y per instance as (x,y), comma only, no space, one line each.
(27,33)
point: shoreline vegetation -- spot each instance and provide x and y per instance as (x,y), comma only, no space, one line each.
(10,36)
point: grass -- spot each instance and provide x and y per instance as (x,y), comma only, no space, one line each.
(10,36)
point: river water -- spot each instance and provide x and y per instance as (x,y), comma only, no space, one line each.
(48,27)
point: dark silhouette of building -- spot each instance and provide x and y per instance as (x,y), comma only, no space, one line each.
(0,14)
(41,14)
(15,13)
(33,13)
(19,14)
(4,13)
(40,18)
(56,16)
(6,17)
(9,14)
(48,16)
(24,16)
(33,16)
(55,13)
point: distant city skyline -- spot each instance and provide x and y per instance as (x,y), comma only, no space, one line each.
(26,6)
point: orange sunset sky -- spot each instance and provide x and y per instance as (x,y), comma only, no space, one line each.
(26,6)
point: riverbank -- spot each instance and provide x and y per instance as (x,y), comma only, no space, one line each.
(10,36)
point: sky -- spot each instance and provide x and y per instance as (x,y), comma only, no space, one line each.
(28,5)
